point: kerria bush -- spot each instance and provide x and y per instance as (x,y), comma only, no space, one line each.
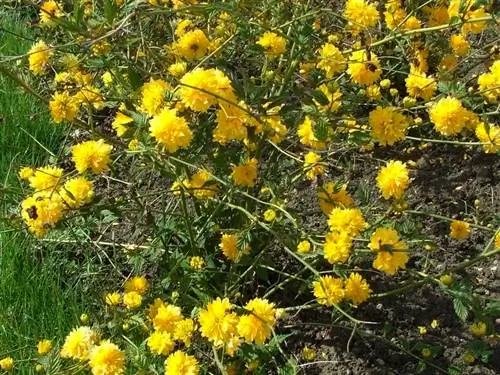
(217,120)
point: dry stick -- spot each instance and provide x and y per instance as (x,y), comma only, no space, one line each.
(126,246)
(444,218)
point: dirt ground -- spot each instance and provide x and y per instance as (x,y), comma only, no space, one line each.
(447,180)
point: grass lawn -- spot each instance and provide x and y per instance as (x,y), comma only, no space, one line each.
(34,301)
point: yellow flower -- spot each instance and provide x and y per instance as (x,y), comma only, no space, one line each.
(478,329)
(39,56)
(394,15)
(489,83)
(107,359)
(178,69)
(44,346)
(137,284)
(269,215)
(308,353)
(63,106)
(113,299)
(133,145)
(196,263)
(170,130)
(184,330)
(422,330)
(41,211)
(25,173)
(465,11)
(313,166)
(434,324)
(161,343)
(418,85)
(356,288)
(245,174)
(182,26)
(201,88)
(328,290)
(167,317)
(77,192)
(373,92)
(361,15)
(388,125)
(459,230)
(152,309)
(469,358)
(426,352)
(93,155)
(448,115)
(230,124)
(180,363)
(333,97)
(332,195)
(50,10)
(120,121)
(132,300)
(304,247)
(459,44)
(446,279)
(153,96)
(201,185)
(192,45)
(393,179)
(392,253)
(337,248)
(331,60)
(364,71)
(307,135)
(490,137)
(78,343)
(7,363)
(46,178)
(229,247)
(217,322)
(258,325)
(347,220)
(89,95)
(101,48)
(437,15)
(273,44)
(84,318)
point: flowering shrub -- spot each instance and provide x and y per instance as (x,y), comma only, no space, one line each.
(235,110)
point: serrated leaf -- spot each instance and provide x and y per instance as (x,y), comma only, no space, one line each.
(421,366)
(455,370)
(110,9)
(363,194)
(492,309)
(461,309)
(481,350)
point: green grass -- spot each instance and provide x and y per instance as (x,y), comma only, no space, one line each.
(35,302)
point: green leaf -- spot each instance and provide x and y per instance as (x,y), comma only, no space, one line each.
(110,9)
(455,370)
(360,138)
(363,194)
(421,366)
(481,350)
(461,309)
(492,309)
(78,13)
